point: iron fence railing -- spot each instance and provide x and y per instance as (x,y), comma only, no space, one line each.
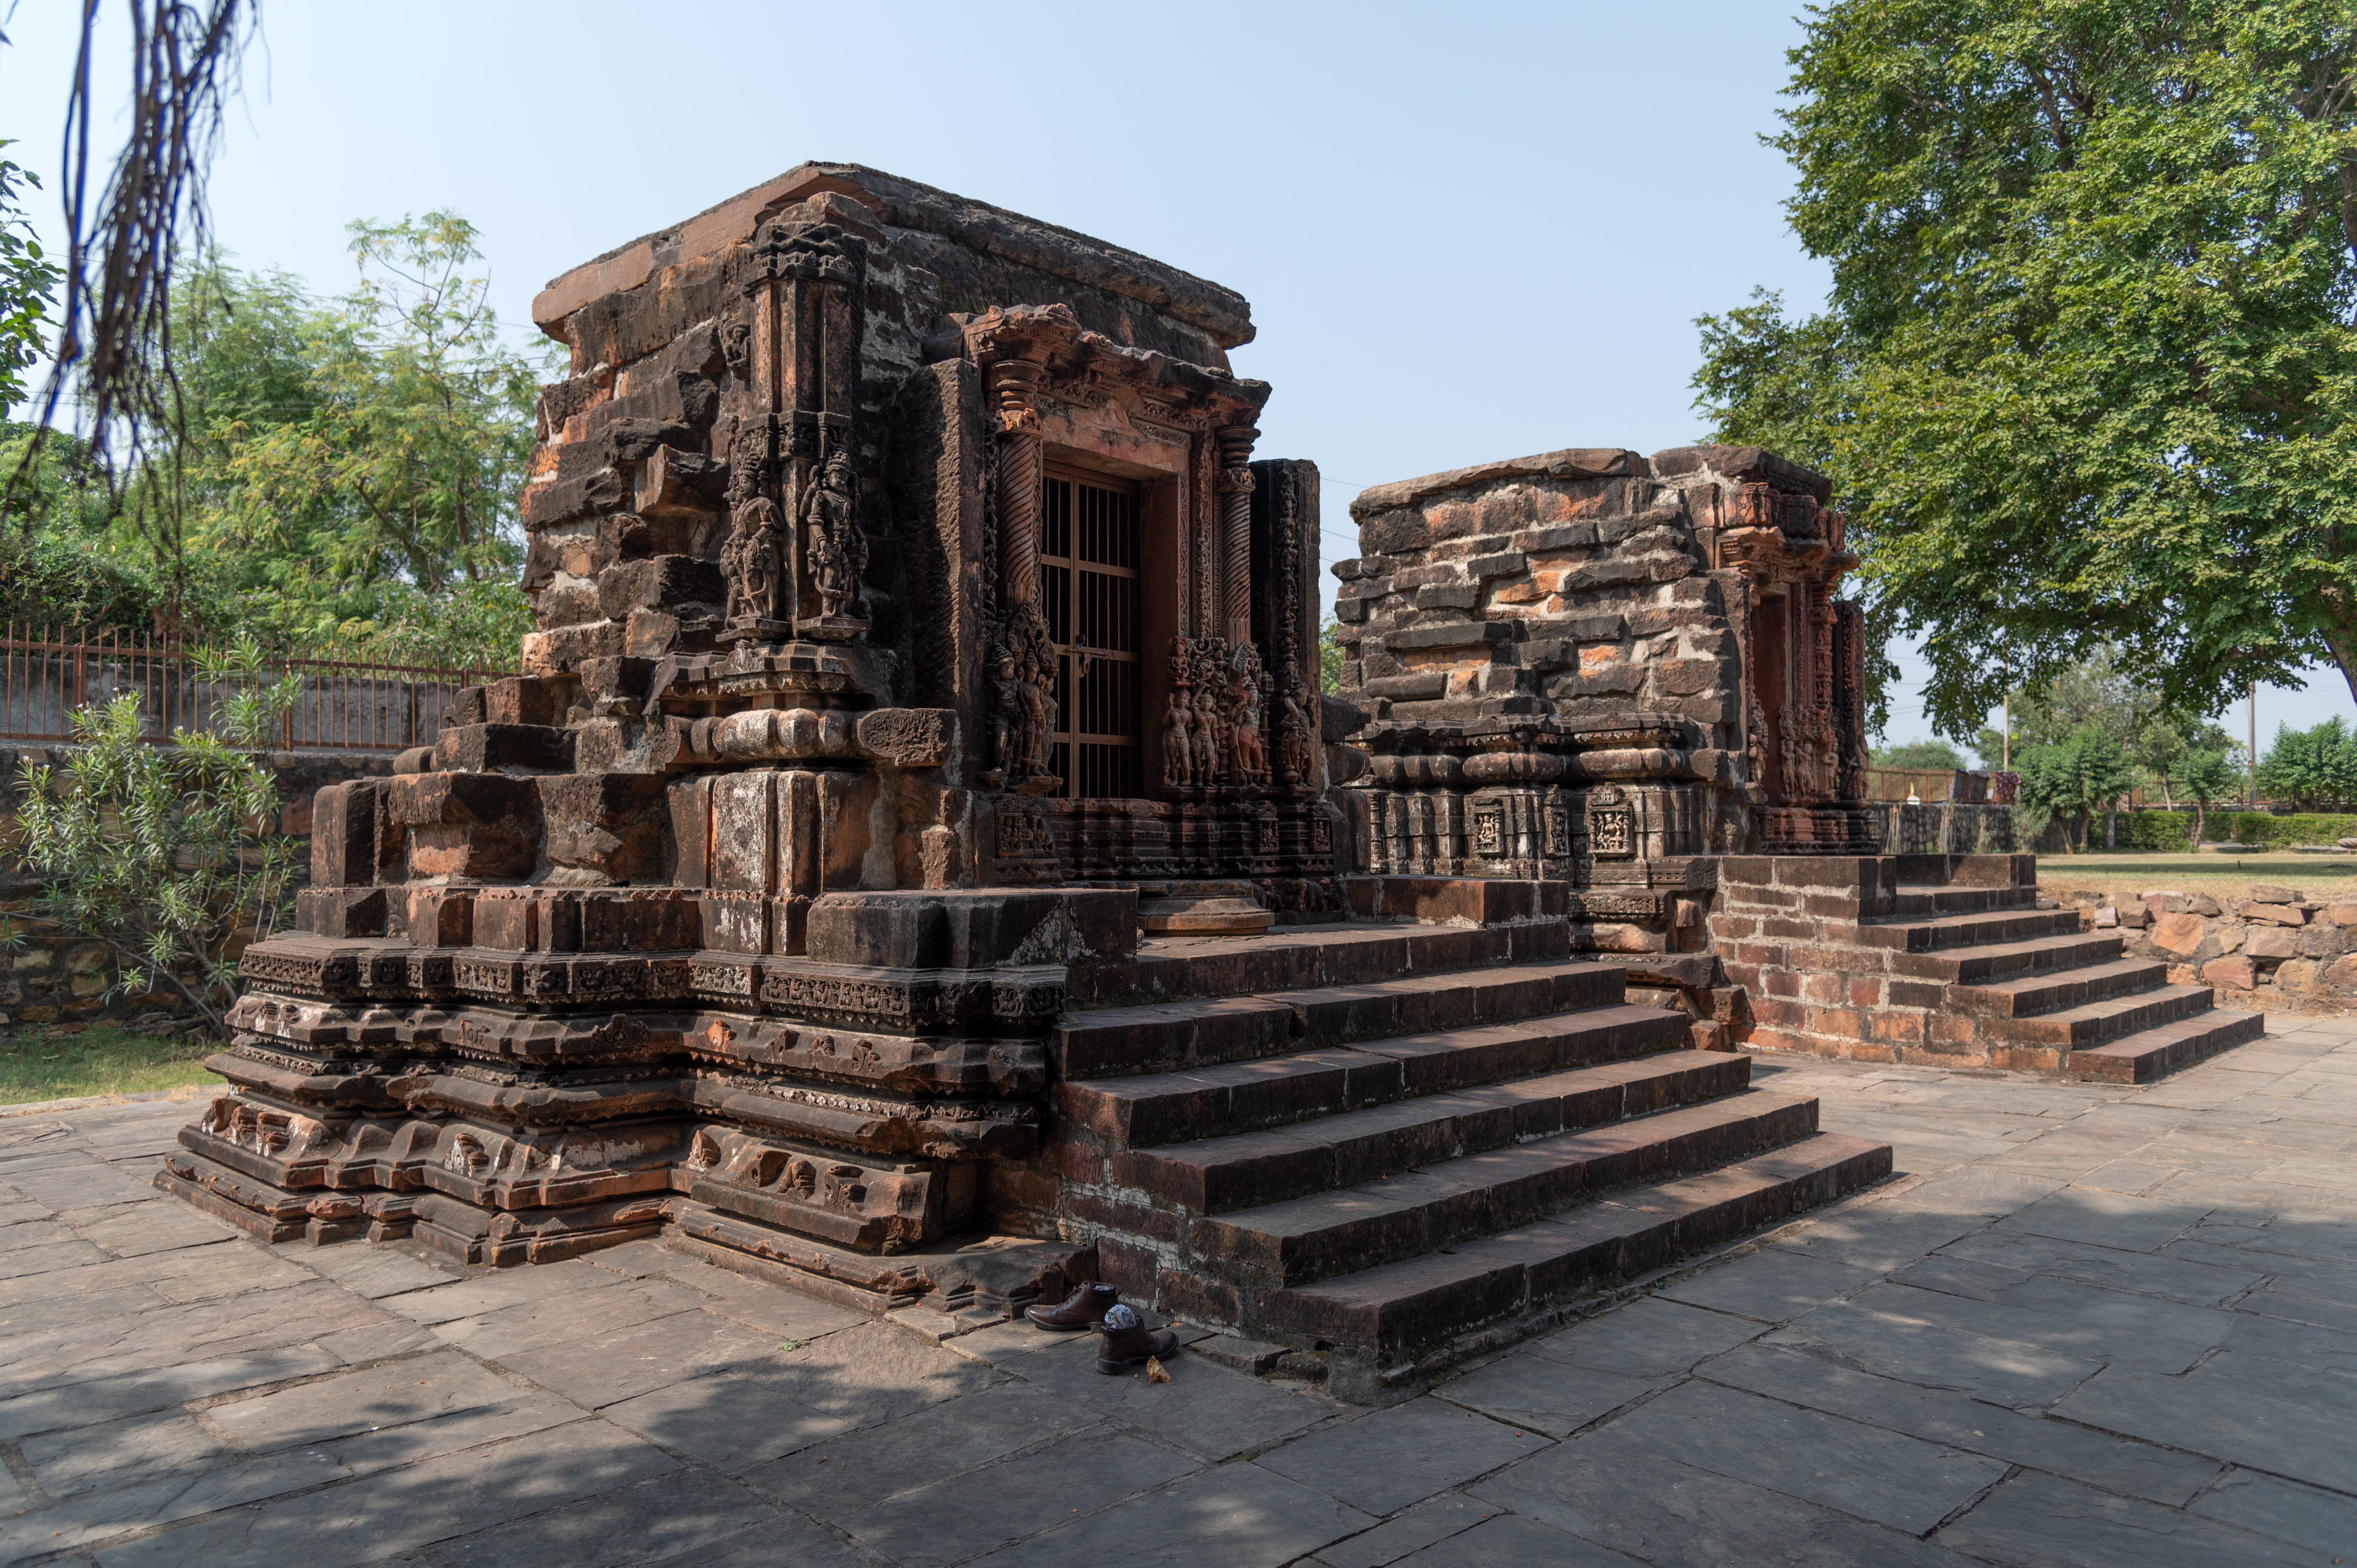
(46,673)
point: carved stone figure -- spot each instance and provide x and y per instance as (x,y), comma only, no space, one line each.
(1293,739)
(1207,746)
(753,560)
(1178,743)
(1039,724)
(1007,714)
(1250,755)
(838,550)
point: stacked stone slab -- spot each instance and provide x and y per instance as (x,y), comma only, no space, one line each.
(1948,960)
(1607,668)
(1393,1142)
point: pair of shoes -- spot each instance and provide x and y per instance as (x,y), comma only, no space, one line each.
(1129,1343)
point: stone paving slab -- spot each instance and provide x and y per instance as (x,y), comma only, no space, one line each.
(2084,1324)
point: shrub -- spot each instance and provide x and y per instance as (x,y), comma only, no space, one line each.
(2168,830)
(168,854)
(2300,827)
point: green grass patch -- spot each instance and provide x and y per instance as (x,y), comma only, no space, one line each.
(105,1058)
(2129,871)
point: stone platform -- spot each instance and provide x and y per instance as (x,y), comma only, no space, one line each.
(2089,1322)
(1388,1142)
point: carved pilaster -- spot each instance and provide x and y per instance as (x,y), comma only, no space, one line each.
(1849,699)
(1014,391)
(1235,486)
(804,284)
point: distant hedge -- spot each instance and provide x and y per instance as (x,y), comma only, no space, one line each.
(2160,830)
(2301,827)
(2150,830)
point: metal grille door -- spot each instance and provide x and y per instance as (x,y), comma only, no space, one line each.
(1088,585)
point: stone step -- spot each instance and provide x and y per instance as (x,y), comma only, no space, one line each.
(1220,1176)
(1307,1239)
(1160,1037)
(2061,988)
(1425,1300)
(1992,962)
(2151,1053)
(1171,968)
(1957,930)
(1955,898)
(2091,1022)
(1201,1103)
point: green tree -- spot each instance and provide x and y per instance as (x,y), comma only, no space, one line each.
(2077,775)
(2210,775)
(28,285)
(418,444)
(2088,374)
(1329,654)
(2311,768)
(391,482)
(1929,756)
(169,855)
(344,476)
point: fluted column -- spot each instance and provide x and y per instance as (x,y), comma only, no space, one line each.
(1014,388)
(1235,493)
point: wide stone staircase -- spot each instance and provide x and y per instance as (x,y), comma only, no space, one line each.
(1394,1144)
(1947,961)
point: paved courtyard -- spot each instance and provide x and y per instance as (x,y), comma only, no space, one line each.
(2085,1325)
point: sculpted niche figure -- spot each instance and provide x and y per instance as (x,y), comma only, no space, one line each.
(1024,702)
(1293,736)
(838,551)
(1252,755)
(753,562)
(752,559)
(1177,745)
(1207,744)
(1006,717)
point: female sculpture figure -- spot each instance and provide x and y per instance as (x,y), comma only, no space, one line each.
(1252,757)
(1207,744)
(1178,743)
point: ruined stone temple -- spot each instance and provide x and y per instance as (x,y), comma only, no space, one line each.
(916,862)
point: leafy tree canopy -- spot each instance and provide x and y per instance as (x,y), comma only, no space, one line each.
(2081,773)
(1934,754)
(344,477)
(2088,376)
(2099,695)
(2311,768)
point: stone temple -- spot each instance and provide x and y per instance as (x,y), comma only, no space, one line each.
(917,862)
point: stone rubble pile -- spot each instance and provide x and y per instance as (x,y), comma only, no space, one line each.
(2270,949)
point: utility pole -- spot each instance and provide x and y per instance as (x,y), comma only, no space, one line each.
(2005,745)
(2252,756)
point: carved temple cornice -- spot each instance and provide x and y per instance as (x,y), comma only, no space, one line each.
(1075,361)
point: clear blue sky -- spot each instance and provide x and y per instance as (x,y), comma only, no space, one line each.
(1467,232)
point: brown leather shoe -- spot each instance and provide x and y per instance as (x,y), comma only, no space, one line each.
(1129,1343)
(1084,1308)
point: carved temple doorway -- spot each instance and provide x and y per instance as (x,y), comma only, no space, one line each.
(1091,560)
